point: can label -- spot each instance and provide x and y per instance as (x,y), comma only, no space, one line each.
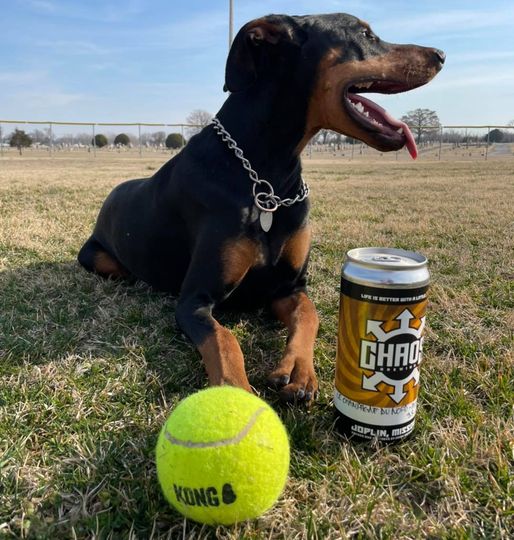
(380,346)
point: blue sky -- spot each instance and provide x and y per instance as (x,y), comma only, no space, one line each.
(156,60)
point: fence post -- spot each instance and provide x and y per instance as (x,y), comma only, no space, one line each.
(183,141)
(1,142)
(139,139)
(440,141)
(51,135)
(487,144)
(230,22)
(94,140)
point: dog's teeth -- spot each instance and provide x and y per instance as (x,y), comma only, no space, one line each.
(400,131)
(360,107)
(364,86)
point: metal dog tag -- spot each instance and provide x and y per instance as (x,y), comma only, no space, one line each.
(266,219)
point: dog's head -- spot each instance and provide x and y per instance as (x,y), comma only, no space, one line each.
(326,63)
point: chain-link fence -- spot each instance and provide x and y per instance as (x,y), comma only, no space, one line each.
(440,143)
(58,139)
(64,138)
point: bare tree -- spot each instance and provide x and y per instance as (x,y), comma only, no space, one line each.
(158,137)
(338,139)
(509,133)
(66,139)
(83,139)
(198,118)
(40,136)
(422,121)
(324,136)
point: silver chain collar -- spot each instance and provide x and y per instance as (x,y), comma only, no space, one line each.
(263,193)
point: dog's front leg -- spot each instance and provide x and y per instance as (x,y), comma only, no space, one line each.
(221,353)
(295,373)
(215,271)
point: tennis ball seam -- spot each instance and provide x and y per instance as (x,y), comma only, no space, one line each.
(222,442)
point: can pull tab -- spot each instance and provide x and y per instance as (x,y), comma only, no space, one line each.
(386,258)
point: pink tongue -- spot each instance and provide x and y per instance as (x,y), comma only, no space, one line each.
(382,114)
(410,142)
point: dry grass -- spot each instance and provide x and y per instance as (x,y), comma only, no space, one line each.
(90,368)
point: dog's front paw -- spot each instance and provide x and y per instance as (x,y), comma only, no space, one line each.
(296,379)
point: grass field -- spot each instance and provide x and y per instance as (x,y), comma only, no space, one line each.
(89,369)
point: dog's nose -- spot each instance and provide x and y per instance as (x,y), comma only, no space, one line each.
(441,56)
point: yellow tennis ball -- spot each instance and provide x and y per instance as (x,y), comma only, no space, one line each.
(222,456)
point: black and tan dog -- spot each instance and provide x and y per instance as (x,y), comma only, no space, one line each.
(200,227)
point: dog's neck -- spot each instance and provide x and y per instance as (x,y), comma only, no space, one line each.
(268,135)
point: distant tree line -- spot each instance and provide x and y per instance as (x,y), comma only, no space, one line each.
(20,139)
(426,127)
(424,123)
(159,139)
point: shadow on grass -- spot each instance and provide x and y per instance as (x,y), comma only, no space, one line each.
(99,363)
(50,311)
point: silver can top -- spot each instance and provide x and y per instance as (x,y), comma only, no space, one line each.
(386,267)
(389,258)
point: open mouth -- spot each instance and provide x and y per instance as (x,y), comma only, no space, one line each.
(388,132)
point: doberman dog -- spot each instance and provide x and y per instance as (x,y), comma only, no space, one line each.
(208,228)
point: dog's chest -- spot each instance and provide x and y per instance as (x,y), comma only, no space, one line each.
(276,234)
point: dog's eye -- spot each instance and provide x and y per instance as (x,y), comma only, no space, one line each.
(368,34)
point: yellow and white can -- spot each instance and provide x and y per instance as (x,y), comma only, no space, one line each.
(380,342)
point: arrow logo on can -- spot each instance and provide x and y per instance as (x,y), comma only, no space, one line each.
(392,353)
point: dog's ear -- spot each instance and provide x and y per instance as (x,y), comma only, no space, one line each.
(267,32)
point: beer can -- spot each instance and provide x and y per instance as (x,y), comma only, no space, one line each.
(380,342)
